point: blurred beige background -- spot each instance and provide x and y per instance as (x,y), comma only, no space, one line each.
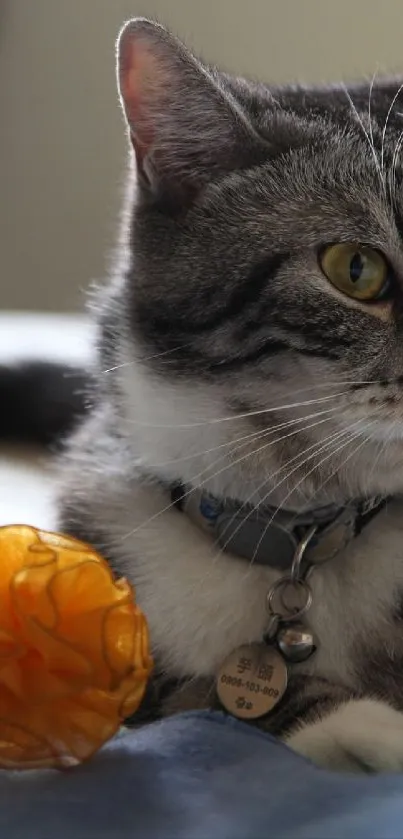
(62,146)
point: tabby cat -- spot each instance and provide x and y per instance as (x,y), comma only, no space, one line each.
(251,358)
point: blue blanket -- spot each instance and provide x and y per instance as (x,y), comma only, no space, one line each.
(199,776)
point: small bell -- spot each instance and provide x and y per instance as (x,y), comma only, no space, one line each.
(296,642)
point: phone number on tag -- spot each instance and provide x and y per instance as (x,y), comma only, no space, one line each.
(254,687)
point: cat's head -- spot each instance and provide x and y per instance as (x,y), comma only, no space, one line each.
(264,278)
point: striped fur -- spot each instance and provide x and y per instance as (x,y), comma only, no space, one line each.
(218,303)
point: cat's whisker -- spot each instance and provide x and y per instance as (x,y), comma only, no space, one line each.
(371,87)
(247,437)
(245,415)
(385,127)
(381,449)
(350,439)
(332,438)
(395,158)
(200,484)
(146,358)
(333,382)
(223,547)
(340,465)
(304,477)
(169,506)
(119,366)
(368,138)
(249,454)
(271,409)
(317,447)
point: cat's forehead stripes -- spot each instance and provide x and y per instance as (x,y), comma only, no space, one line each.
(236,194)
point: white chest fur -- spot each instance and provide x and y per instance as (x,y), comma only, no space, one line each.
(201,603)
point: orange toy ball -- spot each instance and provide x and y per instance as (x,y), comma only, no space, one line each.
(74,650)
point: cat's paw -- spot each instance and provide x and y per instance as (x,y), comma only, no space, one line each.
(360,736)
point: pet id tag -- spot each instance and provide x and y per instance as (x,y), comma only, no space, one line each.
(251,681)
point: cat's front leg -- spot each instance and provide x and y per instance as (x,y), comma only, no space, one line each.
(361,735)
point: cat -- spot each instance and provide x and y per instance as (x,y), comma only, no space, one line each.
(251,346)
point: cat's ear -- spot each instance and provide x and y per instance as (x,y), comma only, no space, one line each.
(184,127)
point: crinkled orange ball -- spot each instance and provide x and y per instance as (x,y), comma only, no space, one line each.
(74,650)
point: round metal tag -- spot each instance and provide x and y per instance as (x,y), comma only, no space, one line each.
(251,681)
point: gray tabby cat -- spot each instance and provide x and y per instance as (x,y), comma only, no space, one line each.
(253,334)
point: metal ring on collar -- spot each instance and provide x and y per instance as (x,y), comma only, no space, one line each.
(280,587)
(300,552)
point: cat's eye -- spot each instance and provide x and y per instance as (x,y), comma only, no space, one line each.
(357,270)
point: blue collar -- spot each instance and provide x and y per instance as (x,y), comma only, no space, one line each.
(266,536)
